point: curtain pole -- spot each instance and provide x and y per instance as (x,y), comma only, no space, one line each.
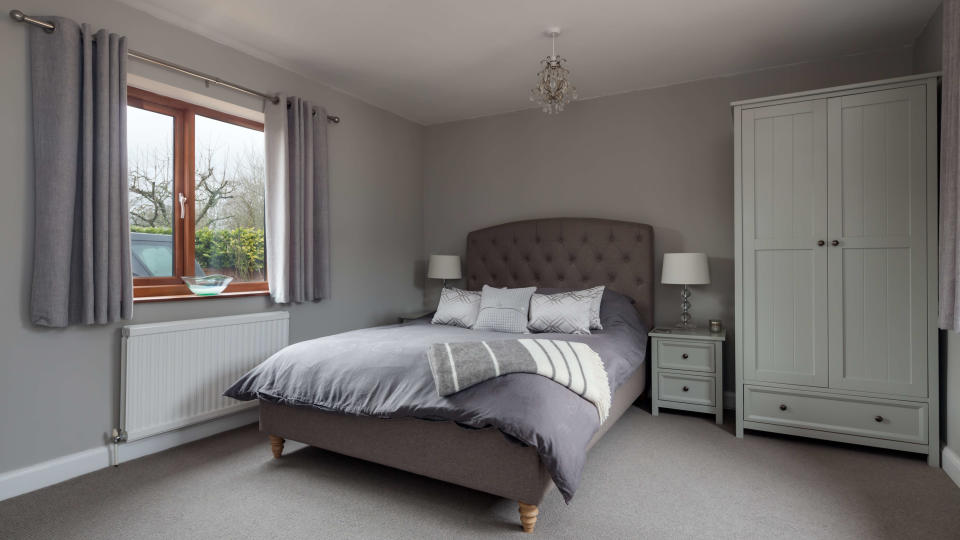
(19,16)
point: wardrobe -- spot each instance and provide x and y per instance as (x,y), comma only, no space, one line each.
(836,264)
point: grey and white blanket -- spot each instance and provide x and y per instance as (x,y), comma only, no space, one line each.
(458,366)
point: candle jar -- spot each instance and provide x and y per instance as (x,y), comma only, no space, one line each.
(716,326)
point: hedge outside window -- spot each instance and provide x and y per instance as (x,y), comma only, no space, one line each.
(196,194)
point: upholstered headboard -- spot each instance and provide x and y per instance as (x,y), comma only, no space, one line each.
(566,252)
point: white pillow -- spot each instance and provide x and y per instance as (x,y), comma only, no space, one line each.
(562,313)
(504,310)
(457,308)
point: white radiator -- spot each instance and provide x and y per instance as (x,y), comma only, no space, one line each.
(172,374)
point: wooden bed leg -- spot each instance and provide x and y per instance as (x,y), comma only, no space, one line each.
(276,445)
(528,516)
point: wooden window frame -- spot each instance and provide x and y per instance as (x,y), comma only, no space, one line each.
(184,229)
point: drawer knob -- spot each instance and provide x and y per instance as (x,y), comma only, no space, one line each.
(684,356)
(834,242)
(783,407)
(878,418)
(687,389)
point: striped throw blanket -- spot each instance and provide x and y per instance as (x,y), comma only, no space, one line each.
(457,366)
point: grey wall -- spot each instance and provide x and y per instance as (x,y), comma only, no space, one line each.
(58,388)
(927,57)
(661,156)
(927,47)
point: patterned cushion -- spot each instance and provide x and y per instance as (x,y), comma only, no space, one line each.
(563,313)
(457,308)
(596,297)
(596,293)
(504,310)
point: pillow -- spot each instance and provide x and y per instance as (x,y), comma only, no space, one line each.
(596,298)
(620,310)
(457,308)
(561,313)
(504,310)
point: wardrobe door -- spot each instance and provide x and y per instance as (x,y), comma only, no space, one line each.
(877,231)
(784,182)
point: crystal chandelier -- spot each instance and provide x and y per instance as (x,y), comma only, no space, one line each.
(553,90)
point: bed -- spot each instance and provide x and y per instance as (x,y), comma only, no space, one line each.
(472,450)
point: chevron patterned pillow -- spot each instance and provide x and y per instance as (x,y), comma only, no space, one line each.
(563,313)
(457,308)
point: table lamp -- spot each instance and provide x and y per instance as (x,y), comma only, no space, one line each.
(444,267)
(685,269)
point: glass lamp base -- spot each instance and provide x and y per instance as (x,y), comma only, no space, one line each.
(685,323)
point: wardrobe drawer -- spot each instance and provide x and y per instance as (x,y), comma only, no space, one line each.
(687,389)
(685,355)
(866,417)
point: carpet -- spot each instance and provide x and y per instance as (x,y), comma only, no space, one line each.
(672,476)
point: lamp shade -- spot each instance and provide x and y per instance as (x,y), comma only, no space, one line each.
(685,269)
(444,267)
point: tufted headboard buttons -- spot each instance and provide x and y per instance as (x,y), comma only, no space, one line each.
(572,253)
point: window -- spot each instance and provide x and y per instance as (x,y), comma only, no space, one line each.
(196,188)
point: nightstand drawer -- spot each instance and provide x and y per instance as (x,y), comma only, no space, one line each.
(687,389)
(902,421)
(685,355)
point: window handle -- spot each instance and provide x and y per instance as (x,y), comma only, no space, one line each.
(183,211)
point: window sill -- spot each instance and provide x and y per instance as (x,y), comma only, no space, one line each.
(191,296)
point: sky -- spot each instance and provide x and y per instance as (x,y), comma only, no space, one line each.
(147,130)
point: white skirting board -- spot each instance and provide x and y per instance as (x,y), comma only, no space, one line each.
(951,464)
(47,473)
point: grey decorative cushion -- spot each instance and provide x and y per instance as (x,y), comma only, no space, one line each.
(504,310)
(457,308)
(596,296)
(563,313)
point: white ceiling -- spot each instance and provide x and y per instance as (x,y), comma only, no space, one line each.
(434,61)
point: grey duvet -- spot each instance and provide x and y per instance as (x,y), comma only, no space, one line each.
(384,372)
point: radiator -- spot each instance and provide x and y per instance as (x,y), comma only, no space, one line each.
(172,374)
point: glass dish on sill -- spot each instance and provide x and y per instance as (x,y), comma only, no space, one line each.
(211,285)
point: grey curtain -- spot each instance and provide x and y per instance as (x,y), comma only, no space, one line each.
(950,169)
(81,256)
(297,201)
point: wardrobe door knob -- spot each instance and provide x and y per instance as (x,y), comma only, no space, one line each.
(685,356)
(834,242)
(878,418)
(820,242)
(687,389)
(783,407)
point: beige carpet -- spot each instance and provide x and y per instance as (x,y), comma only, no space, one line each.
(673,476)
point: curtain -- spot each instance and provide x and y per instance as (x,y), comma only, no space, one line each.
(297,201)
(81,256)
(950,169)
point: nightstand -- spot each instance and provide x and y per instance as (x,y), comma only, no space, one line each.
(407,317)
(687,370)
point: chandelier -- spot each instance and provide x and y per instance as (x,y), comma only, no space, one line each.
(553,90)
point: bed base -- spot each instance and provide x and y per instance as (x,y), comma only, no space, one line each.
(528,512)
(481,459)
